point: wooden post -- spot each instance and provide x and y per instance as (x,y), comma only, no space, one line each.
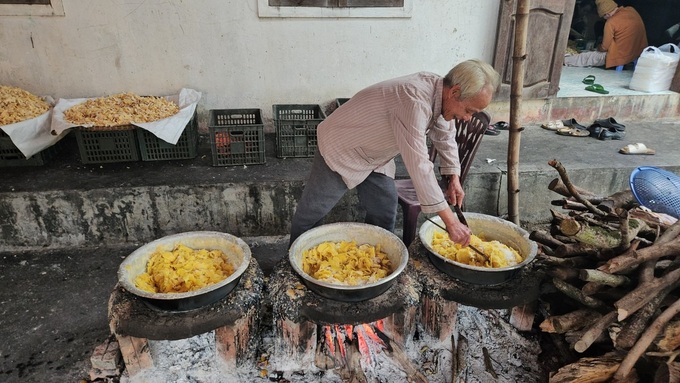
(516,88)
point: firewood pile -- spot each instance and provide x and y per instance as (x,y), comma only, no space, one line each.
(611,301)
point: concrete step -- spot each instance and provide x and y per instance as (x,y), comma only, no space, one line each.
(65,204)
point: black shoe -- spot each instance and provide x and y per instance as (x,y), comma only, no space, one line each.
(610,123)
(492,131)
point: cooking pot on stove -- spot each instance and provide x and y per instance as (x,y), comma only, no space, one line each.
(236,250)
(489,228)
(349,231)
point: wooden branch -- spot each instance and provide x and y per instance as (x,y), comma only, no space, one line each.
(575,294)
(627,262)
(545,238)
(567,262)
(573,249)
(645,340)
(559,187)
(572,189)
(563,273)
(670,234)
(589,275)
(594,331)
(631,330)
(644,293)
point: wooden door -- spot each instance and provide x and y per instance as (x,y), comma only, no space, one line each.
(548,33)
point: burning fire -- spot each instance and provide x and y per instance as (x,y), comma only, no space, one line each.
(370,340)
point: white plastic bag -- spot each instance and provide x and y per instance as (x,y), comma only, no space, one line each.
(655,68)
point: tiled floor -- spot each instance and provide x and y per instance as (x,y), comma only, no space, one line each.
(615,82)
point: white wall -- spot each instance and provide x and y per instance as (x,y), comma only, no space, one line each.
(235,58)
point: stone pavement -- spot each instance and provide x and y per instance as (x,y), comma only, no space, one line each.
(56,276)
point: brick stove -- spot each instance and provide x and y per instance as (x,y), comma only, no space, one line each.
(234,320)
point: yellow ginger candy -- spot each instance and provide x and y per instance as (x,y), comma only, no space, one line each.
(183,269)
(346,263)
(499,254)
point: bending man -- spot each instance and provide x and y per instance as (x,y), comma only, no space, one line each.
(357,144)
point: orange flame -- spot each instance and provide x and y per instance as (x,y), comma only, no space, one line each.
(341,341)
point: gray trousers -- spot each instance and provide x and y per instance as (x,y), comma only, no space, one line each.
(377,196)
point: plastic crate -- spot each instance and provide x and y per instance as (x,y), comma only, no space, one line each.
(340,101)
(152,148)
(236,137)
(103,146)
(10,155)
(296,129)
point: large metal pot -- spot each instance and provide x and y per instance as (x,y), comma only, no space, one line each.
(490,228)
(234,248)
(345,231)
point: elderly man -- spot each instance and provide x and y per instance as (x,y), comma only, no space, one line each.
(357,144)
(624,38)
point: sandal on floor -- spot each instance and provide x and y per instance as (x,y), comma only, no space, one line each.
(638,148)
(572,123)
(597,88)
(611,124)
(553,125)
(573,132)
(589,79)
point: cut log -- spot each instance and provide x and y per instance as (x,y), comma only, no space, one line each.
(670,339)
(668,373)
(574,320)
(594,236)
(563,273)
(522,317)
(622,199)
(588,370)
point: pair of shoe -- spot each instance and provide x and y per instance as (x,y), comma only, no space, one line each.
(607,129)
(592,86)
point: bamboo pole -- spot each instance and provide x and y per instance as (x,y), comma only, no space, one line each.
(516,87)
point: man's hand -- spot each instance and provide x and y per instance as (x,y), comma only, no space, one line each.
(458,232)
(454,193)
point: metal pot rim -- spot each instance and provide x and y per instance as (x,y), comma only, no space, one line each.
(343,229)
(143,253)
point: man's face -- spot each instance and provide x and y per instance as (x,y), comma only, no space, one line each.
(455,108)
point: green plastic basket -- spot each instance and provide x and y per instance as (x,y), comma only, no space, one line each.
(296,129)
(152,148)
(104,146)
(10,155)
(236,137)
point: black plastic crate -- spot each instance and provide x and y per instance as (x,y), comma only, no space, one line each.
(10,155)
(236,137)
(152,148)
(103,146)
(296,129)
(340,101)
